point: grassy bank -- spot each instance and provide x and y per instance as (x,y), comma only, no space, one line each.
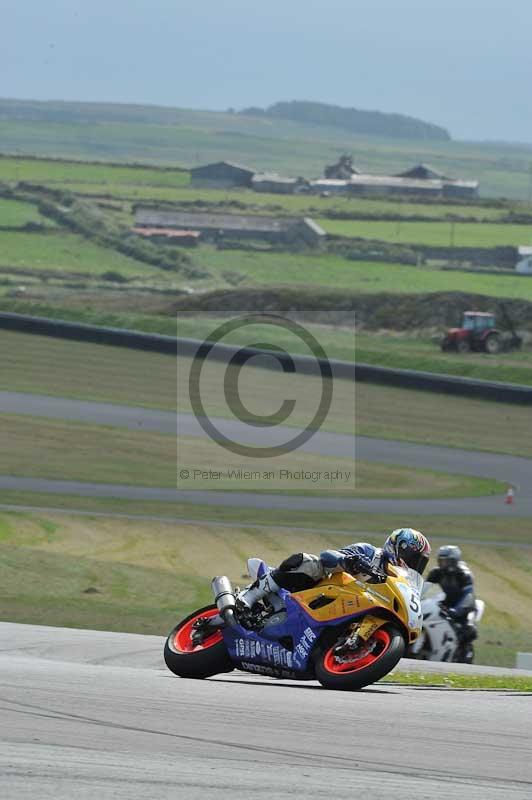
(141,575)
(399,351)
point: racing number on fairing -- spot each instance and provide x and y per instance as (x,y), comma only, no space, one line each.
(414,605)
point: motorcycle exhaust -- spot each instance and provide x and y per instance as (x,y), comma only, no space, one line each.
(225,599)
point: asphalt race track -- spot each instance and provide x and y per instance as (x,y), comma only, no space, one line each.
(511,469)
(87,714)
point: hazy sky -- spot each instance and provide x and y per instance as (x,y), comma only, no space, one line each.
(464,64)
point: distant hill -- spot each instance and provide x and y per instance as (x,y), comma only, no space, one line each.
(365,123)
(118,132)
(70,112)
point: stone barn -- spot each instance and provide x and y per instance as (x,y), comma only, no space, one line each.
(234,227)
(221,175)
(278,184)
(450,187)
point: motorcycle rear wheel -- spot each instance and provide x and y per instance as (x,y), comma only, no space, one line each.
(387,647)
(187,660)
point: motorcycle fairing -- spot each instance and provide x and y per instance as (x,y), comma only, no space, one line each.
(251,648)
(347,599)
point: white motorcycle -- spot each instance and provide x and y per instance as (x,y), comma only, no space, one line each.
(439,640)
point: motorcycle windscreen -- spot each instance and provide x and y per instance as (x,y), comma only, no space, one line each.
(415,579)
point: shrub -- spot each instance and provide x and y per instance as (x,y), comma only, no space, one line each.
(115,277)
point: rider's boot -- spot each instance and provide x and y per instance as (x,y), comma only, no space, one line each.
(264,587)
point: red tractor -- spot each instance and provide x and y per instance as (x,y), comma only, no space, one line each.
(478,332)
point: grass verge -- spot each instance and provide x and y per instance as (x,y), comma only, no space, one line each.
(468,530)
(454,681)
(43,365)
(40,447)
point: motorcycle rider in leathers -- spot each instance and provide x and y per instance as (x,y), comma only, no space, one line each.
(456,581)
(404,547)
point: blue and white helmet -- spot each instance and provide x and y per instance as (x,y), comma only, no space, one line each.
(407,547)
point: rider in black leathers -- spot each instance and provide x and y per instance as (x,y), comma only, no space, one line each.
(456,580)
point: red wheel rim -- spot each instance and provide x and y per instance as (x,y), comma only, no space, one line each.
(379,644)
(182,642)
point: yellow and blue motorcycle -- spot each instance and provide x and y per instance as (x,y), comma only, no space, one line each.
(345,632)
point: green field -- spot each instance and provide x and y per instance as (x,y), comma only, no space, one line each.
(440,234)
(66,253)
(59,173)
(142,575)
(277,269)
(171,185)
(300,205)
(16,214)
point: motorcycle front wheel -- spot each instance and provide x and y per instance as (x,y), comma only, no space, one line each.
(189,660)
(369,662)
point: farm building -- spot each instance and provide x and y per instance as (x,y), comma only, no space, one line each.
(162,235)
(377,185)
(222,175)
(422,172)
(277,184)
(387,185)
(524,264)
(342,170)
(451,187)
(329,186)
(276,230)
(459,188)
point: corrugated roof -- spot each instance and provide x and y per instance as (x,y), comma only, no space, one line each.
(380,181)
(394,181)
(314,226)
(228,222)
(171,233)
(461,183)
(422,172)
(325,182)
(272,177)
(225,164)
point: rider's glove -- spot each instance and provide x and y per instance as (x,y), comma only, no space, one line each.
(354,565)
(447,612)
(357,564)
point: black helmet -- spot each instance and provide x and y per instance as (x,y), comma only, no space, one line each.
(449,557)
(409,547)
